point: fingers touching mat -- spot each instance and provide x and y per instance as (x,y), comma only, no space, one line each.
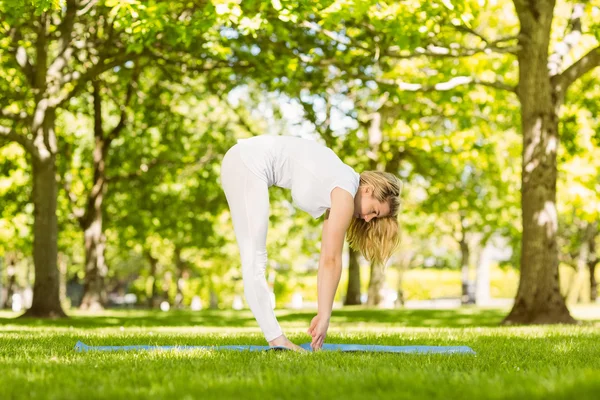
(82,347)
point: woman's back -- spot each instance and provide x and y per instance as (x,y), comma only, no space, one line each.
(308,168)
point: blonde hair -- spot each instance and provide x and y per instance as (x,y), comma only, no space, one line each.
(377,239)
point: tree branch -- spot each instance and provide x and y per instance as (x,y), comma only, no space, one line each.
(20,55)
(144,168)
(199,164)
(443,86)
(579,68)
(562,48)
(116,131)
(41,56)
(185,66)
(323,129)
(336,37)
(22,116)
(83,78)
(66,30)
(86,7)
(465,29)
(446,52)
(12,135)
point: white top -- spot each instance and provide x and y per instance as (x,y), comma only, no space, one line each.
(310,169)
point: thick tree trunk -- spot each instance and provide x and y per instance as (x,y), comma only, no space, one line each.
(46,301)
(538,298)
(376,282)
(353,291)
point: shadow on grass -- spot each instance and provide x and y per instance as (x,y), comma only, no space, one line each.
(462,317)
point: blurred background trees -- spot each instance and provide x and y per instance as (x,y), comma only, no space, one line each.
(116,114)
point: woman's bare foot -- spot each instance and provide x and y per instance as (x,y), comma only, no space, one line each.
(284,342)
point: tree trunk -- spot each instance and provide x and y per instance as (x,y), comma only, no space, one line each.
(152,299)
(376,282)
(94,289)
(44,147)
(593,282)
(482,276)
(12,276)
(214,298)
(62,277)
(403,265)
(574,293)
(180,265)
(464,259)
(46,301)
(538,299)
(1,289)
(353,291)
(592,261)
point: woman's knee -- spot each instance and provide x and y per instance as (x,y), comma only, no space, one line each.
(254,264)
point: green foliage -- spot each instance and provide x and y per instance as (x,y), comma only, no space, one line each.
(15,209)
(37,6)
(212,72)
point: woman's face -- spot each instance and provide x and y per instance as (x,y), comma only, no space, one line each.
(368,207)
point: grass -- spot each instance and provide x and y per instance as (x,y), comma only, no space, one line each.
(37,359)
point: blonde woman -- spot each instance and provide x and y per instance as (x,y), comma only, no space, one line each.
(364,207)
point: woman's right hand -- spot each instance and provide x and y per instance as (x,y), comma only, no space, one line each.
(283,341)
(318,331)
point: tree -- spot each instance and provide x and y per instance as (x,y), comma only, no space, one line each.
(55,53)
(90,215)
(578,200)
(47,68)
(444,34)
(543,83)
(353,290)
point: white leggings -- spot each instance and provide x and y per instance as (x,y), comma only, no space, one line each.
(248,199)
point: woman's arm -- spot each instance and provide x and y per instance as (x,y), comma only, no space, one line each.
(330,261)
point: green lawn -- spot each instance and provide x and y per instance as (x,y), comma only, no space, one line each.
(37,359)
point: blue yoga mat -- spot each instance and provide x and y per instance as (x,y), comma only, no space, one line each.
(82,347)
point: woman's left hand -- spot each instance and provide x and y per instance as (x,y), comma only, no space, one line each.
(318,331)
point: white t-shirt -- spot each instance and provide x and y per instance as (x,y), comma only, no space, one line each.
(310,169)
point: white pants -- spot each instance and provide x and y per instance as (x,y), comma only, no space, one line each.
(248,199)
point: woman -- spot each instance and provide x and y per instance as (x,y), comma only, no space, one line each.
(365,206)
